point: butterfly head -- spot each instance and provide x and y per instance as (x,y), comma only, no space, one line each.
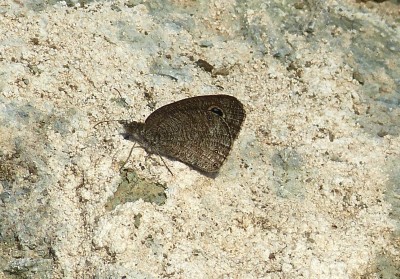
(133,130)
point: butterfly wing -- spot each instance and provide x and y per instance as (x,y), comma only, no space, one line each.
(198,131)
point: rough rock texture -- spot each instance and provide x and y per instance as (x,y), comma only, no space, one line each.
(311,187)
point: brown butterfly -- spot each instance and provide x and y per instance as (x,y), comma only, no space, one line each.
(198,131)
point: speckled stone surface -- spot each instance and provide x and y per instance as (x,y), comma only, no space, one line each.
(310,189)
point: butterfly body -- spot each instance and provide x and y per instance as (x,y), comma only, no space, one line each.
(198,131)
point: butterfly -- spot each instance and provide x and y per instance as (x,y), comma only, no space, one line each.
(198,131)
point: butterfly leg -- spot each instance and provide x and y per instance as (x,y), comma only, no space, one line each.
(126,161)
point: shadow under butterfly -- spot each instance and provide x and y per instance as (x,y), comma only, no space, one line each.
(198,131)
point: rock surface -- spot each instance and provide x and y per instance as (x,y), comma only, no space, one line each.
(311,187)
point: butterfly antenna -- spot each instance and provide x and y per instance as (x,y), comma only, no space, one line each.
(105,121)
(108,121)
